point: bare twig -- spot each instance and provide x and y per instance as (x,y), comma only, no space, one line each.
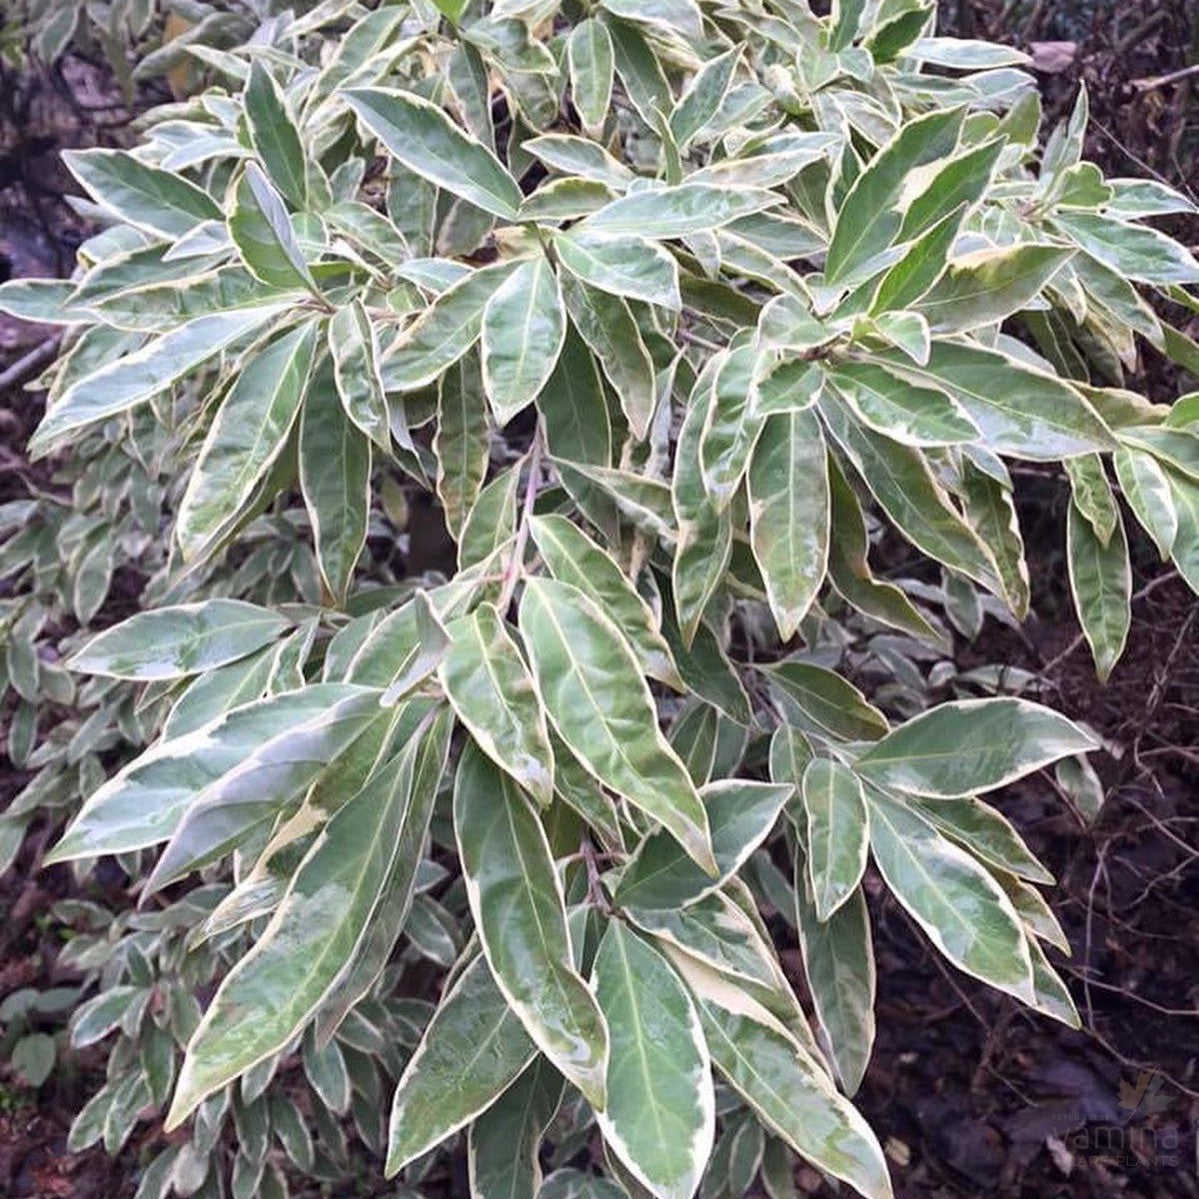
(29,364)
(1152,84)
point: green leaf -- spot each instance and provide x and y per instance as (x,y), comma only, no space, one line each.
(172,643)
(705,533)
(492,519)
(274,990)
(443,333)
(611,332)
(247,435)
(572,557)
(356,372)
(33,1058)
(871,215)
(789,514)
(335,469)
(920,267)
(262,231)
(119,384)
(900,479)
(794,1098)
(162,202)
(991,511)
(395,903)
(955,901)
(623,265)
(1177,447)
(488,684)
(1185,493)
(473,1048)
(740,815)
(591,64)
(142,804)
(273,135)
(461,443)
(731,426)
(837,833)
(839,963)
(703,96)
(679,211)
(517,902)
(524,325)
(660,1118)
(915,416)
(984,832)
(503,1152)
(593,690)
(1147,491)
(823,703)
(1136,252)
(717,932)
(1021,412)
(986,287)
(426,141)
(1101,584)
(968,746)
(268,783)
(1092,495)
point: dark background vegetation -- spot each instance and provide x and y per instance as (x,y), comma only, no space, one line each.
(972,1095)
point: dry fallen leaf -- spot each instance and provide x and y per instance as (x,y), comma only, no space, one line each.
(1053,57)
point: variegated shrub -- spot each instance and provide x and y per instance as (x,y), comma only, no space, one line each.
(676,309)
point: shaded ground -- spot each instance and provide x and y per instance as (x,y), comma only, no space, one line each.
(972,1095)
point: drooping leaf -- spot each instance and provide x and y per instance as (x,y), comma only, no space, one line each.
(473,1048)
(839,963)
(461,444)
(608,327)
(503,1152)
(355,356)
(1101,583)
(838,833)
(954,900)
(660,1118)
(572,557)
(794,1098)
(740,814)
(488,684)
(523,328)
(596,697)
(276,987)
(789,514)
(335,468)
(519,910)
(247,435)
